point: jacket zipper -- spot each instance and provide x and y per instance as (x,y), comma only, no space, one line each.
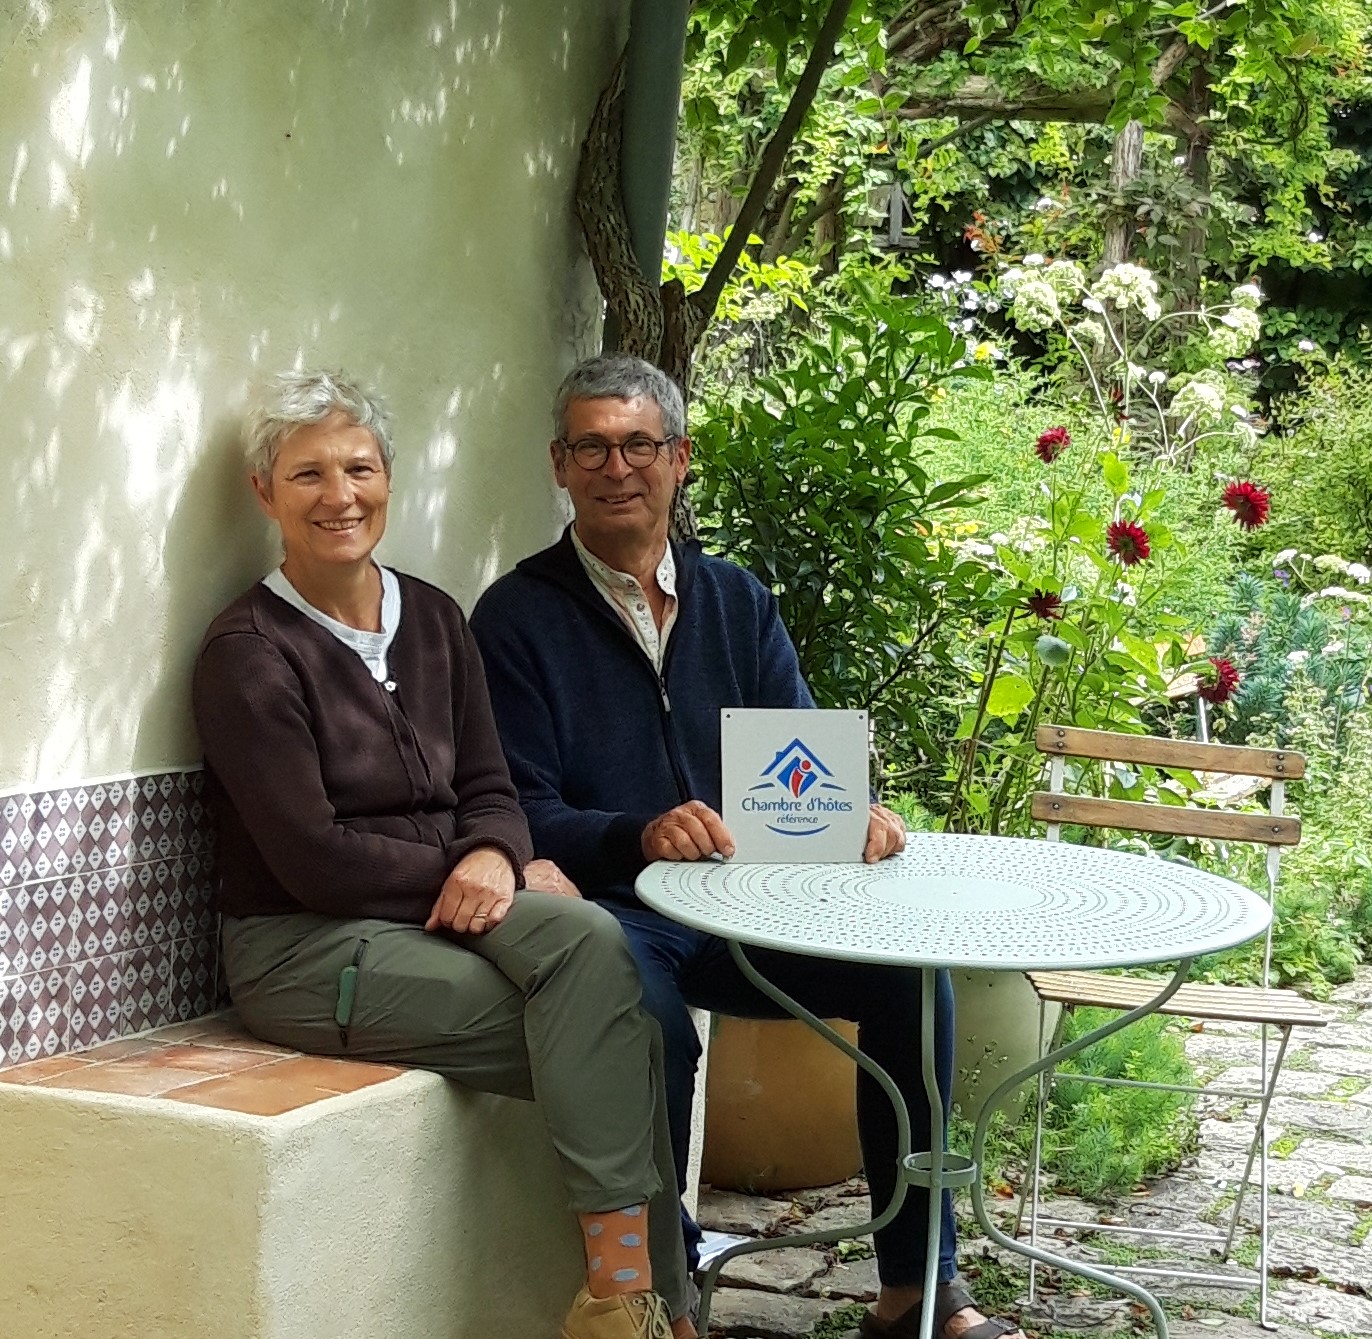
(669,729)
(602,610)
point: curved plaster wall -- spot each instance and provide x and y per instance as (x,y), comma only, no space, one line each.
(193,196)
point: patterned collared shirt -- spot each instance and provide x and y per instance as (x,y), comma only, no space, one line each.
(629,600)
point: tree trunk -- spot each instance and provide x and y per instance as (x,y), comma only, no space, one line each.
(661,322)
(1126,162)
(1198,169)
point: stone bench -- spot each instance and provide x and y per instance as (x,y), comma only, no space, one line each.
(194,1182)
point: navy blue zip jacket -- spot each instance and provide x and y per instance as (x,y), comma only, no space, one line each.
(598,745)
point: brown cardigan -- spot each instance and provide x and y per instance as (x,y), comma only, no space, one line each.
(331,794)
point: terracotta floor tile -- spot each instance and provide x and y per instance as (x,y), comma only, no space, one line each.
(243,1041)
(335,1076)
(49,1067)
(221,1030)
(124,1048)
(202,1059)
(253,1095)
(215,1025)
(131,1077)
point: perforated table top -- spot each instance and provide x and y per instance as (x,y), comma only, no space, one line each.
(952,900)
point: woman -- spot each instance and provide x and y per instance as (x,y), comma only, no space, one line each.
(375,882)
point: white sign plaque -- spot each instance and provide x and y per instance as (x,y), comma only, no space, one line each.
(795,784)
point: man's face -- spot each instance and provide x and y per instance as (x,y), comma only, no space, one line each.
(619,505)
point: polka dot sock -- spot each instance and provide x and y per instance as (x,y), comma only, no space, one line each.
(617,1251)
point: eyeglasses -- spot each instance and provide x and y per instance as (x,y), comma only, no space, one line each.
(639,450)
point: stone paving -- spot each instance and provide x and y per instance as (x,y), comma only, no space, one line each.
(1320,1142)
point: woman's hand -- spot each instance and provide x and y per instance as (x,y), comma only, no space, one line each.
(477,895)
(543,876)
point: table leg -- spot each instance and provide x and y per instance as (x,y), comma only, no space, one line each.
(798,1010)
(1010,1085)
(934,1169)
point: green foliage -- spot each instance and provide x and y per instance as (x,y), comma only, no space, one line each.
(841,1323)
(1101,1142)
(757,291)
(738,83)
(1323,922)
(1322,465)
(1087,637)
(813,480)
(1294,637)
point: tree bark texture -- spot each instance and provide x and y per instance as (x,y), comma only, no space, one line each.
(662,323)
(1126,162)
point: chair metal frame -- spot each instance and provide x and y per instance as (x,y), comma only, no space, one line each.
(1274,1010)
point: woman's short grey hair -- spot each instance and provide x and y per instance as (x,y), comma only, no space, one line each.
(619,376)
(297,399)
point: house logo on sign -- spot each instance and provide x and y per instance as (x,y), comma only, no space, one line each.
(809,796)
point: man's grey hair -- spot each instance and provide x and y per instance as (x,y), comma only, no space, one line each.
(619,376)
(297,399)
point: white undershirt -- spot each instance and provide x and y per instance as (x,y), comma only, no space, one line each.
(626,596)
(373,647)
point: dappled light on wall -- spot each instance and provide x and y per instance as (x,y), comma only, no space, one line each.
(194,197)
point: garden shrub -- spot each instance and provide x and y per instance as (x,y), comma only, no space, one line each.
(1321,464)
(814,481)
(1102,1142)
(1324,896)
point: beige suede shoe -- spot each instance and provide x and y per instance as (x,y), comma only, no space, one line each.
(629,1316)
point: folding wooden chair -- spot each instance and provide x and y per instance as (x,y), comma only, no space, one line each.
(1279,1010)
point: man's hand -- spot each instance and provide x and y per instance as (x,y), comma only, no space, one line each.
(691,831)
(476,896)
(543,876)
(885,835)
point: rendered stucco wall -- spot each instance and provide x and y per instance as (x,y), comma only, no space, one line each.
(408,1209)
(192,196)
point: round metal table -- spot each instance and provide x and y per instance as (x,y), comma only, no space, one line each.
(953,900)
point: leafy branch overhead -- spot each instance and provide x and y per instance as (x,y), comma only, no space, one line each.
(908,80)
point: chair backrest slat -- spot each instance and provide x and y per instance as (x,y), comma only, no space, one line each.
(1067,741)
(1176,820)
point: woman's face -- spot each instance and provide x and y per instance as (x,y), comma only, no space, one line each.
(328,492)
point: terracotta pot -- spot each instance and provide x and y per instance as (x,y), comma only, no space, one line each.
(779,1111)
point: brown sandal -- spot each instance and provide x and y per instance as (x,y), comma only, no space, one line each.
(948,1301)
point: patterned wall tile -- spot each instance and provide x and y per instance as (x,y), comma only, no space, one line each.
(38,926)
(34,1015)
(147,988)
(105,920)
(14,830)
(195,982)
(96,992)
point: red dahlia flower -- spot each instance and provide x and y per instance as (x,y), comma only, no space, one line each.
(1249,503)
(1127,541)
(1052,444)
(1044,604)
(1218,680)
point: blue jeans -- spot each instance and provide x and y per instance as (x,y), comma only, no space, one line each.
(683,968)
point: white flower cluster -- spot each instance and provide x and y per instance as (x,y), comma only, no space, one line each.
(1341,593)
(1068,279)
(1247,295)
(1236,332)
(1128,286)
(1090,334)
(1200,399)
(1036,304)
(1331,562)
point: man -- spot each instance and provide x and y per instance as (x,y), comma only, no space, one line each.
(609,656)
